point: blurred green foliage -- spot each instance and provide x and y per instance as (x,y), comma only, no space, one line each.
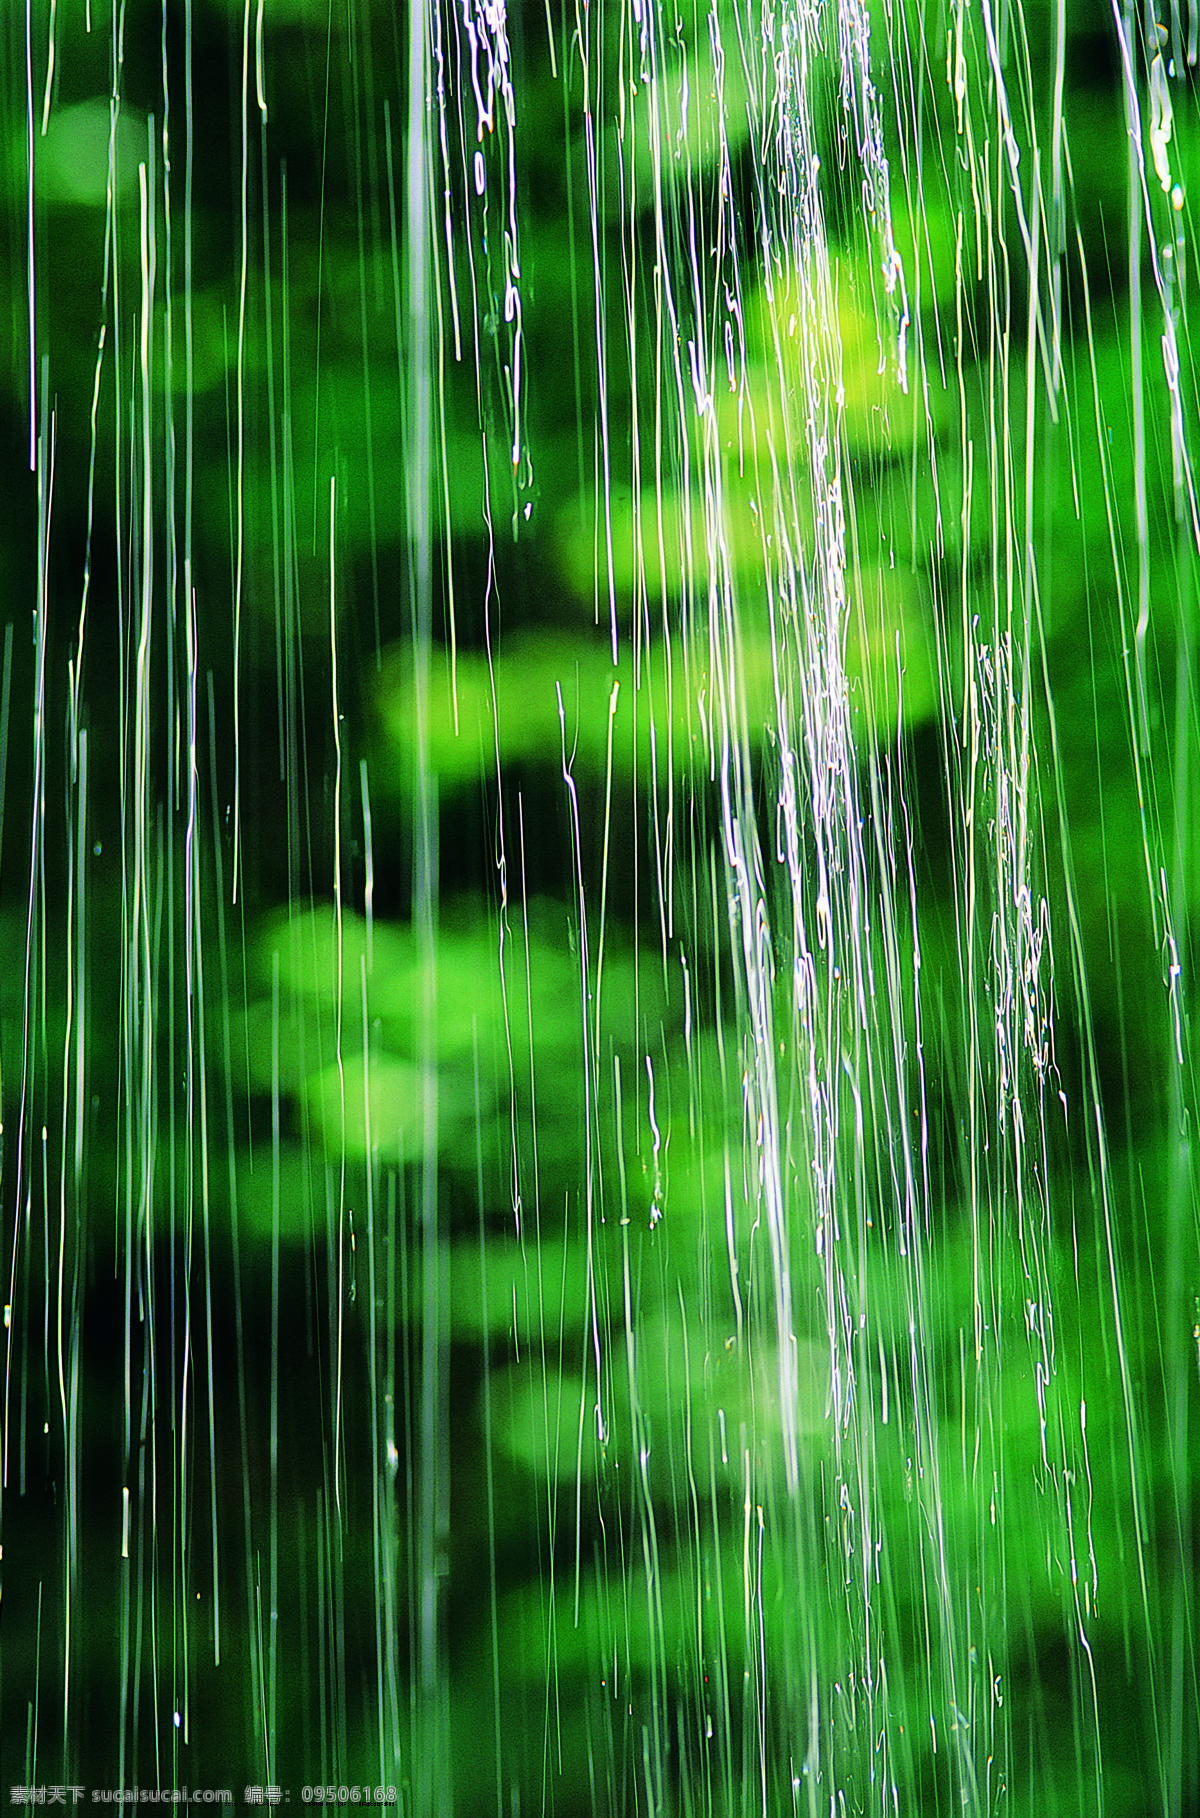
(709,1397)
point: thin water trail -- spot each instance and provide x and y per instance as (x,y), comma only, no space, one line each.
(597,782)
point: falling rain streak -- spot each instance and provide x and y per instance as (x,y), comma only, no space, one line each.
(598,787)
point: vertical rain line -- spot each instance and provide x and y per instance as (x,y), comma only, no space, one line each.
(272,1683)
(34,960)
(195,1092)
(1124,19)
(147,881)
(128,988)
(384,1527)
(181,1185)
(339,1339)
(1180,900)
(431,1777)
(71,1208)
(30,260)
(239,573)
(77,986)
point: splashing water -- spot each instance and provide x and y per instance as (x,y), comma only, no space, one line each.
(597,785)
